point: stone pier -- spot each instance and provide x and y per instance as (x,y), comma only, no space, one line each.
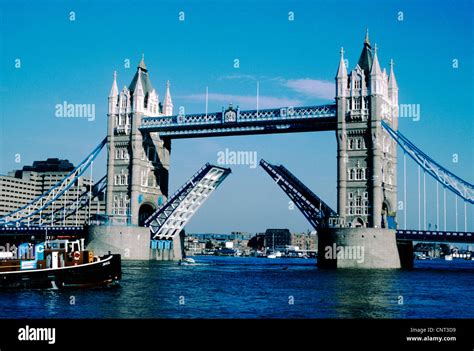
(357,248)
(132,242)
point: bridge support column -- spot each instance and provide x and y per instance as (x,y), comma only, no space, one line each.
(132,242)
(366,248)
(173,250)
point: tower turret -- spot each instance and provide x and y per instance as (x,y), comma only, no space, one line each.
(168,103)
(341,76)
(113,96)
(376,76)
(392,85)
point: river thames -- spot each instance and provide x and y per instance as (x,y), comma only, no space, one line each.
(228,287)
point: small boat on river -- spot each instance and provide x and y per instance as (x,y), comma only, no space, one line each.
(57,264)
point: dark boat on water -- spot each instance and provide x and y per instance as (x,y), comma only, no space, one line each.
(57,264)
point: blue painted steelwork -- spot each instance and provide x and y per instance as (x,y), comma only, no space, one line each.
(435,236)
(316,211)
(73,206)
(169,220)
(455,184)
(24,213)
(235,122)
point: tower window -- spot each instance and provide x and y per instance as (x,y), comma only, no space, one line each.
(357,104)
(351,143)
(351,174)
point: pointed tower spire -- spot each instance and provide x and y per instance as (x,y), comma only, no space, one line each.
(342,69)
(366,56)
(142,64)
(367,41)
(114,89)
(167,102)
(341,77)
(392,81)
(138,94)
(139,86)
(375,65)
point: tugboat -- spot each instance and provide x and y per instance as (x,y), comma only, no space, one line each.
(57,264)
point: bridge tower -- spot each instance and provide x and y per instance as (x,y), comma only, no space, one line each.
(366,154)
(366,168)
(137,164)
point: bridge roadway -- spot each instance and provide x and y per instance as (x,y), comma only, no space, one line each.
(235,122)
(435,236)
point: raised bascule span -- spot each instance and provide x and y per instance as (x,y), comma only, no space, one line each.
(168,221)
(316,211)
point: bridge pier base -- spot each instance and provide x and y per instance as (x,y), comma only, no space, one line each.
(405,250)
(132,242)
(366,248)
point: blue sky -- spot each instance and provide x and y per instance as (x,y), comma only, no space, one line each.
(294,61)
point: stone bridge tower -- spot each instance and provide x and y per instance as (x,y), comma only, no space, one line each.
(367,155)
(137,164)
(363,235)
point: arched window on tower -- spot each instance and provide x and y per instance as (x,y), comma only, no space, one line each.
(357,83)
(358,204)
(351,174)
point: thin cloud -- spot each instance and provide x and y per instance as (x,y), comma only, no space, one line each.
(244,101)
(244,77)
(316,88)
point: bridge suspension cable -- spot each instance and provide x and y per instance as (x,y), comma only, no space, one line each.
(405,190)
(449,180)
(74,206)
(48,198)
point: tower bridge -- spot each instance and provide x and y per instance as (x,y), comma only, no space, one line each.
(142,221)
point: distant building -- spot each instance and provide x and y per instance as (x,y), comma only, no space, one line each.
(305,241)
(20,187)
(278,239)
(198,243)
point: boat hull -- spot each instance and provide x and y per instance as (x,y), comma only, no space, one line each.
(106,271)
